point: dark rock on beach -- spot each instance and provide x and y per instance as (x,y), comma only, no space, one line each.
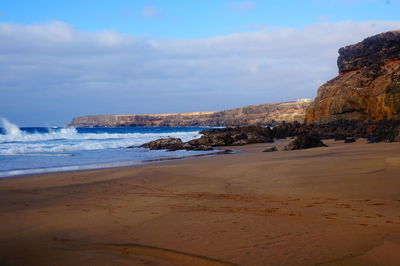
(171,144)
(215,137)
(340,137)
(190,147)
(285,130)
(387,131)
(271,149)
(304,142)
(374,139)
(233,136)
(396,134)
(349,140)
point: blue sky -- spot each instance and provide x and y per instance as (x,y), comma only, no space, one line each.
(60,59)
(193,19)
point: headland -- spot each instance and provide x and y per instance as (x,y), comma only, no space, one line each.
(260,114)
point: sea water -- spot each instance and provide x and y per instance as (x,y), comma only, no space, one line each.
(29,150)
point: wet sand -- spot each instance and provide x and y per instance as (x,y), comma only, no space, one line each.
(336,205)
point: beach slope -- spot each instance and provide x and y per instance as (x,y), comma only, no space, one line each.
(336,205)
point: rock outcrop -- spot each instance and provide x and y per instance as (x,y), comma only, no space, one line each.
(304,142)
(367,87)
(171,144)
(234,136)
(396,134)
(388,131)
(261,114)
(271,149)
(214,137)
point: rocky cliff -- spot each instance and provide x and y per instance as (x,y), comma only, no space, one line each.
(368,85)
(261,114)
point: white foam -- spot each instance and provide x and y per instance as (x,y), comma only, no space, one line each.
(17,142)
(30,148)
(10,128)
(11,173)
(72,134)
(82,142)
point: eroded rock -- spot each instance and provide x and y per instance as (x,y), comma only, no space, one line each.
(233,136)
(271,149)
(349,140)
(367,87)
(171,144)
(304,142)
(340,130)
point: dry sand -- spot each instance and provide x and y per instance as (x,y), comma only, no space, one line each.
(336,205)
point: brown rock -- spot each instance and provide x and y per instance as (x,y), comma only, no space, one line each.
(304,142)
(396,134)
(200,147)
(234,136)
(350,140)
(164,144)
(271,149)
(370,52)
(368,86)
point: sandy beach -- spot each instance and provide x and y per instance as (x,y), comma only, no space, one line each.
(336,205)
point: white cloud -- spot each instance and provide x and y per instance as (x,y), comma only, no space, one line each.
(53,71)
(152,12)
(241,6)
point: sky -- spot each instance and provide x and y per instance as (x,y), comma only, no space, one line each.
(60,59)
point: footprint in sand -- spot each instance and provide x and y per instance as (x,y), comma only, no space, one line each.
(377,204)
(369,225)
(295,214)
(293,199)
(330,215)
(343,205)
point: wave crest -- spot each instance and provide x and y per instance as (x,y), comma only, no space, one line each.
(20,142)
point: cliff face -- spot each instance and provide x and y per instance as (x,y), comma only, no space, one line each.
(261,114)
(368,85)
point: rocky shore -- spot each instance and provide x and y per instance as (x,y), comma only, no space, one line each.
(308,136)
(385,131)
(363,101)
(215,137)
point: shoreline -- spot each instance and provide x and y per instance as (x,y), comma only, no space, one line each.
(99,166)
(336,205)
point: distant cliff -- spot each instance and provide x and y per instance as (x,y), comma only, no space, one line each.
(367,88)
(261,114)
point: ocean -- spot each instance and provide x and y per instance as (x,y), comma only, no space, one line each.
(30,150)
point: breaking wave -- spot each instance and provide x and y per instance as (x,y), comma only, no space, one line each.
(16,141)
